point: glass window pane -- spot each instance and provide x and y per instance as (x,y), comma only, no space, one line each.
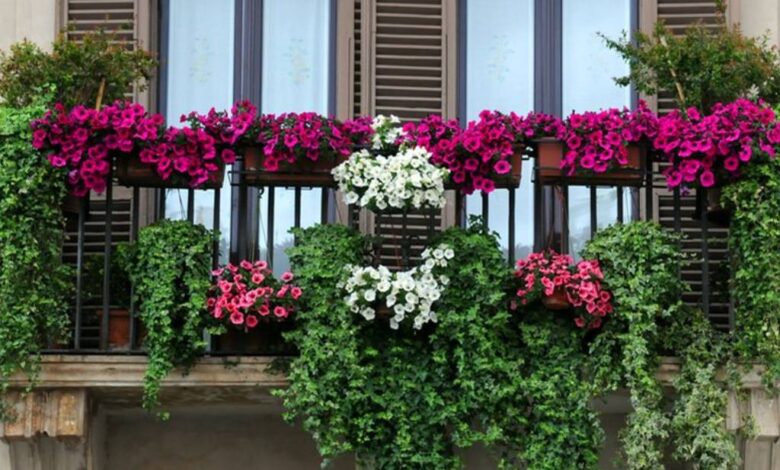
(499,76)
(199,66)
(588,72)
(295,78)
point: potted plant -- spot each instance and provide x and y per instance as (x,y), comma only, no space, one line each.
(169,267)
(560,284)
(119,307)
(295,149)
(397,183)
(598,148)
(711,150)
(378,292)
(249,303)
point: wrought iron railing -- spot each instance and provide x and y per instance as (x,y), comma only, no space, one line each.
(98,226)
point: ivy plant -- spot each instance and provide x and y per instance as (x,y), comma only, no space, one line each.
(703,66)
(170,272)
(75,72)
(754,244)
(641,264)
(34,283)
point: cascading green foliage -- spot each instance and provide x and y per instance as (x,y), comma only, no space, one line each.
(641,263)
(170,271)
(404,399)
(562,431)
(754,242)
(400,399)
(34,284)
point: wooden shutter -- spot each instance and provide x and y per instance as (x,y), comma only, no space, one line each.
(401,57)
(128,20)
(679,15)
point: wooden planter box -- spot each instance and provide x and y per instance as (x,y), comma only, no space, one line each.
(304,173)
(557,301)
(550,152)
(266,338)
(130,171)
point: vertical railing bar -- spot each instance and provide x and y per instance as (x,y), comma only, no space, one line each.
(104,327)
(217,225)
(620,210)
(485,208)
(79,272)
(460,219)
(325,196)
(648,167)
(134,222)
(705,267)
(593,208)
(191,205)
(297,213)
(160,206)
(270,227)
(677,224)
(512,216)
(564,222)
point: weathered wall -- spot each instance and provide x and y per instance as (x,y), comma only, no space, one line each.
(35,20)
(760,17)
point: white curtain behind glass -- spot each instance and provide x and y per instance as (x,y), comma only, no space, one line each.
(199,65)
(499,76)
(588,85)
(296,57)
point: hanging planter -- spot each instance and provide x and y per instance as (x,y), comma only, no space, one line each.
(550,153)
(130,171)
(71,204)
(556,301)
(714,211)
(303,173)
(511,180)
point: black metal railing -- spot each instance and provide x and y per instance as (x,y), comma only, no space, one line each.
(102,224)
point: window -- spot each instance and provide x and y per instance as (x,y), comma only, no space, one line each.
(575,72)
(275,53)
(500,76)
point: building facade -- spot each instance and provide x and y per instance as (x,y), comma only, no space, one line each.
(410,58)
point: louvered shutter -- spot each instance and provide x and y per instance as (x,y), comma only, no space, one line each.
(678,15)
(130,22)
(403,63)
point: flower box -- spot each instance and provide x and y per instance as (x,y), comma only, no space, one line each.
(130,171)
(511,180)
(556,301)
(550,152)
(716,213)
(303,173)
(71,204)
(265,339)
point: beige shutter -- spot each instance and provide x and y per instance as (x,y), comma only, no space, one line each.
(678,15)
(129,20)
(398,57)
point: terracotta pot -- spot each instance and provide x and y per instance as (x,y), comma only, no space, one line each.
(119,329)
(550,152)
(512,179)
(303,173)
(557,301)
(130,171)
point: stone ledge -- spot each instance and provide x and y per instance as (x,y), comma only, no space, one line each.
(117,371)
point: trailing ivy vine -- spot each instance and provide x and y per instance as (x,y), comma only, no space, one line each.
(405,399)
(754,243)
(170,272)
(34,284)
(641,263)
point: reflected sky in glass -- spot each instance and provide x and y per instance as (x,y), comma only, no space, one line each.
(588,85)
(296,41)
(499,76)
(199,77)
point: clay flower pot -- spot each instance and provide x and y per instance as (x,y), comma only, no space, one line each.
(556,301)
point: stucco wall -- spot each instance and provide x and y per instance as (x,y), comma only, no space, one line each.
(35,20)
(759,17)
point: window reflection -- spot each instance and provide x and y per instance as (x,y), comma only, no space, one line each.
(499,76)
(296,46)
(199,77)
(588,72)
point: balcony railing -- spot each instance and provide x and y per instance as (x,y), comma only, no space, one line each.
(104,222)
